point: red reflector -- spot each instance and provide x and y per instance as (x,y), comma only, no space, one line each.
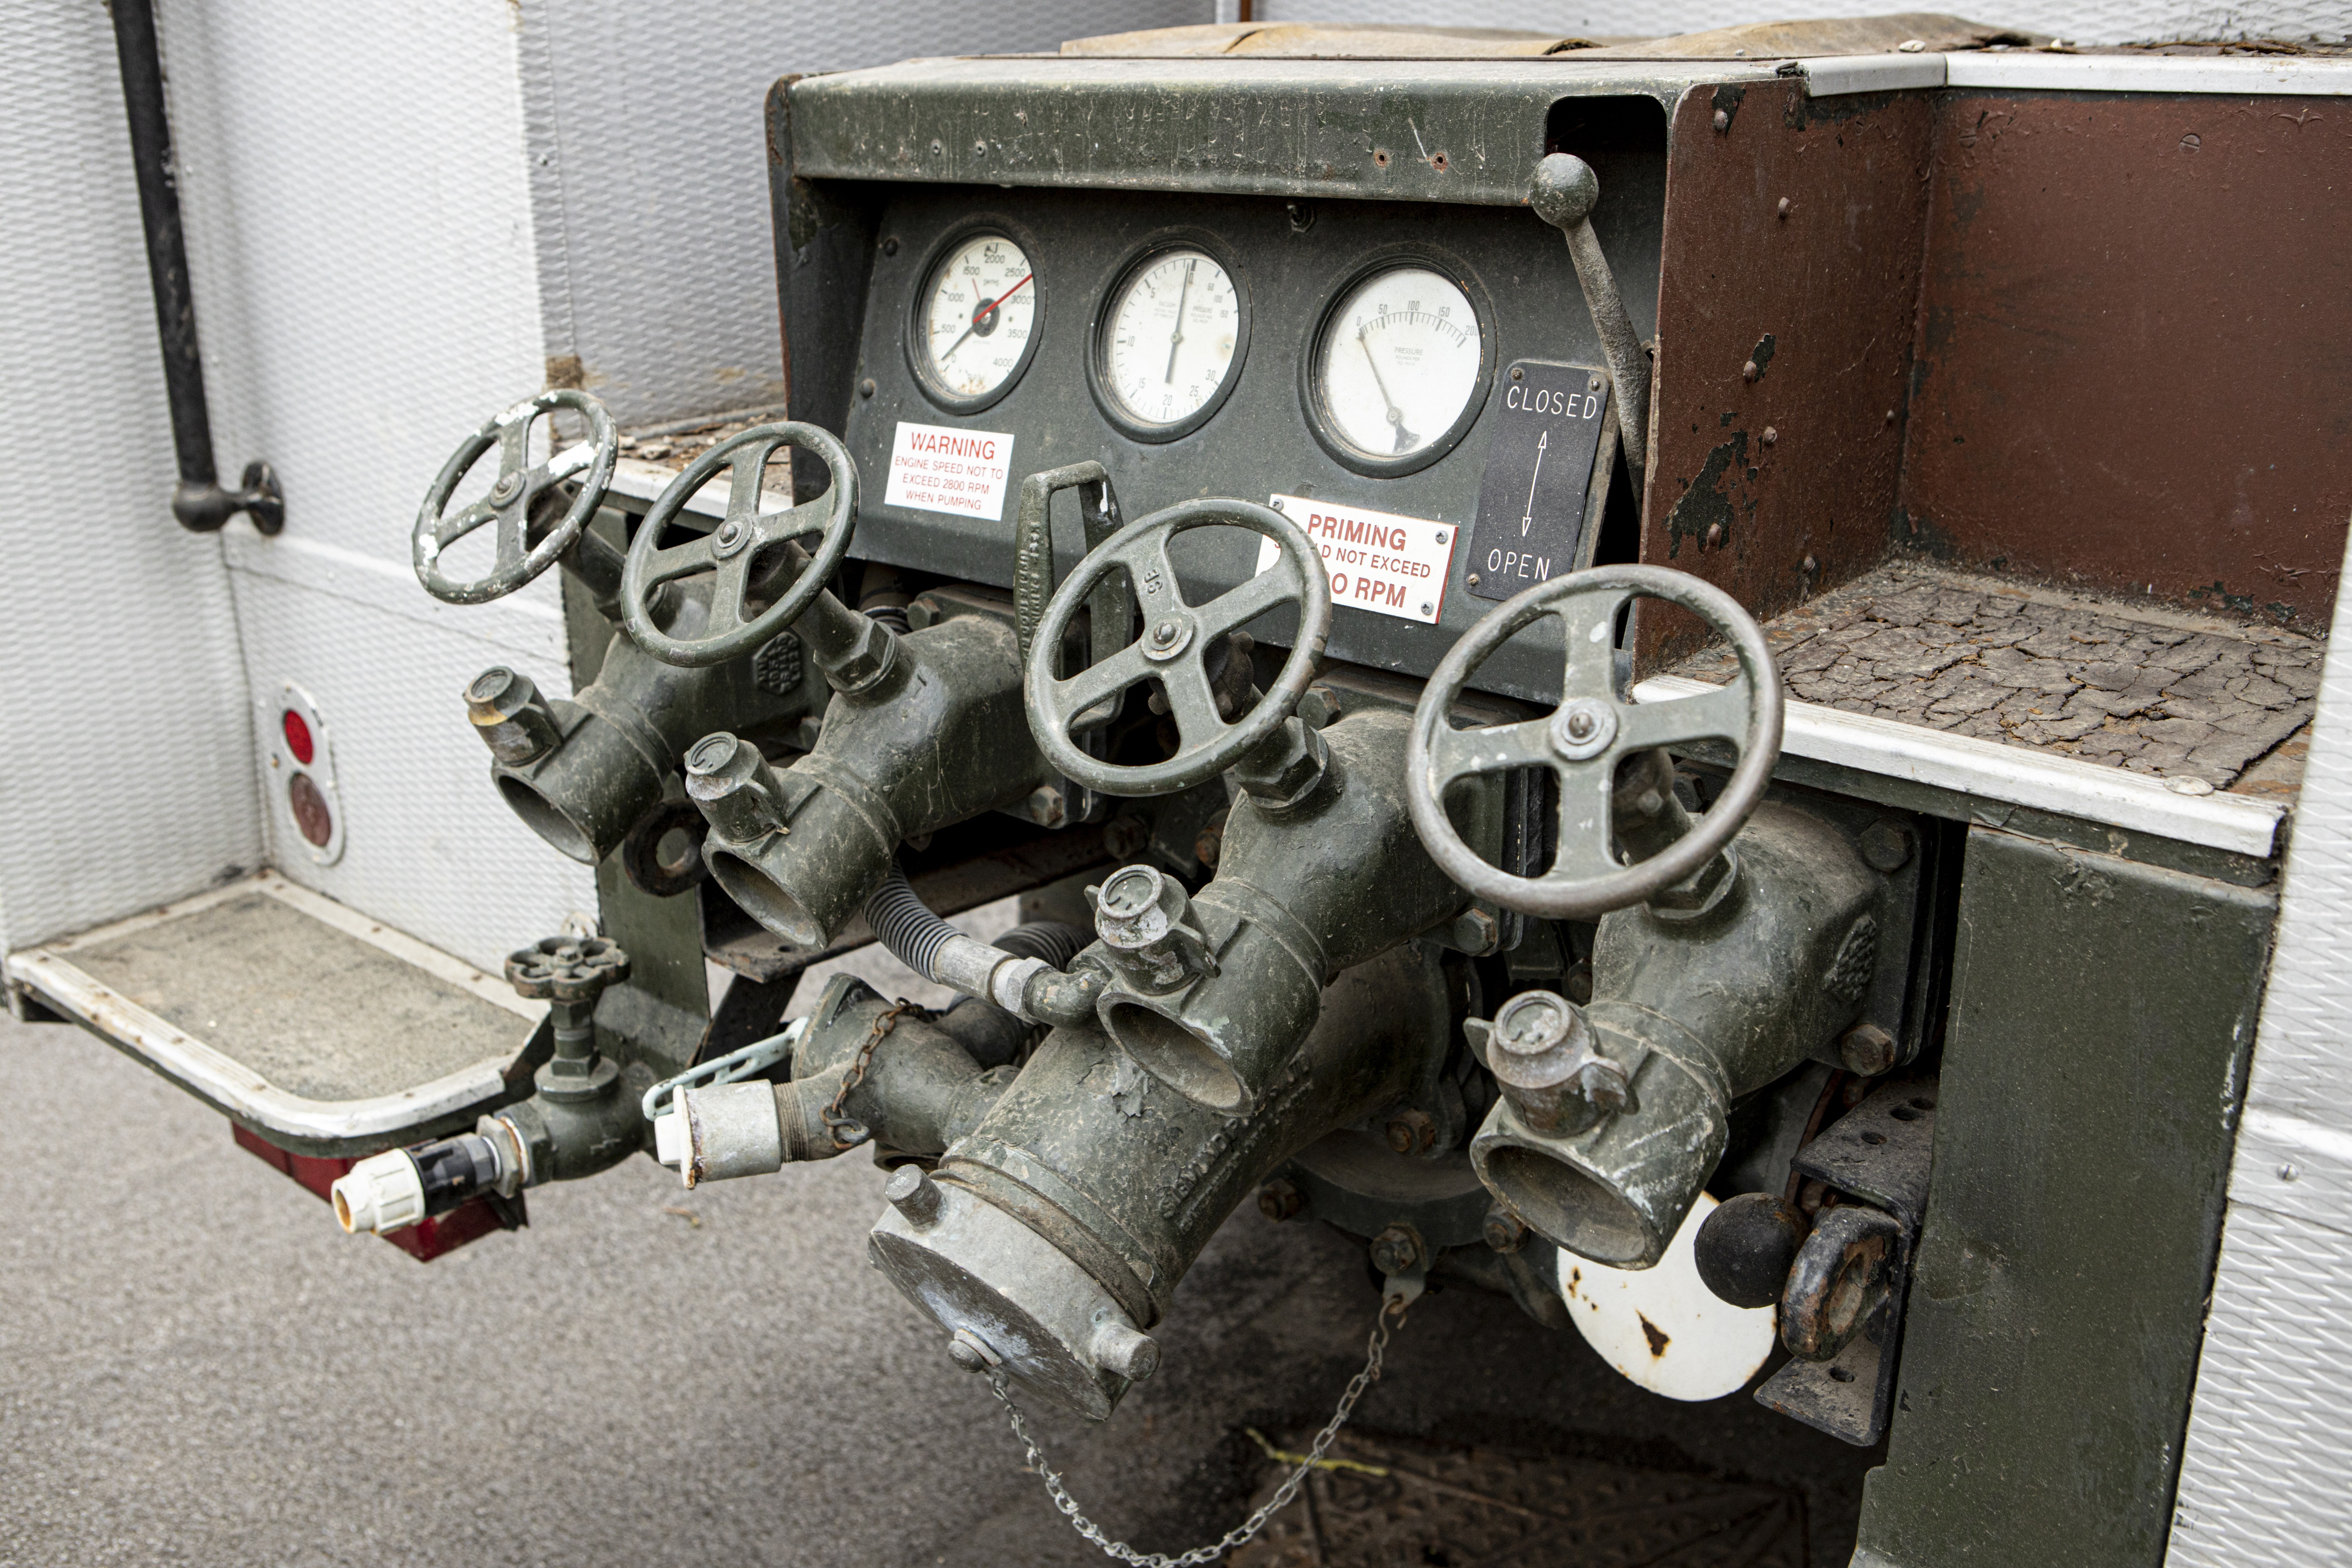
(297,737)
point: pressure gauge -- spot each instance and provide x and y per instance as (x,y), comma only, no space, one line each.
(976,320)
(1399,368)
(1170,340)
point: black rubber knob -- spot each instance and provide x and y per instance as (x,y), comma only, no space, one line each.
(1745,1248)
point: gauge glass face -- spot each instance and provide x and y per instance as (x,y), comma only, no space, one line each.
(1401,360)
(1171,337)
(980,306)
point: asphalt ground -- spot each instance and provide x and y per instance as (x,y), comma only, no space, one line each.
(197,1366)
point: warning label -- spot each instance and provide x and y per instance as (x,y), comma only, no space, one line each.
(935,469)
(1378,560)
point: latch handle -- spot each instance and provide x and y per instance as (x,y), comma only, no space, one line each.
(1111,607)
(1565,192)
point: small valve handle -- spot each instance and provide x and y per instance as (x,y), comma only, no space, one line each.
(508,506)
(1564,194)
(1583,739)
(1176,636)
(567,968)
(737,552)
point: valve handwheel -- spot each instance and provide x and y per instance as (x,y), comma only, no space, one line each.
(732,549)
(520,483)
(1171,650)
(1584,739)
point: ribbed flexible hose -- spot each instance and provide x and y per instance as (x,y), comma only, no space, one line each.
(913,935)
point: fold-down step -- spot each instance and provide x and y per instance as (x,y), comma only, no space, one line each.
(325,1032)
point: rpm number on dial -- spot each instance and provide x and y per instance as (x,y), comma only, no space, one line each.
(1399,365)
(1175,322)
(977,318)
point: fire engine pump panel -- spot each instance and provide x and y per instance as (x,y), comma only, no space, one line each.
(1308,525)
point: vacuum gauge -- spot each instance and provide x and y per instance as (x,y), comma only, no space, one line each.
(1397,367)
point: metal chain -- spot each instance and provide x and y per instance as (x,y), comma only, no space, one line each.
(1243,1533)
(848,1134)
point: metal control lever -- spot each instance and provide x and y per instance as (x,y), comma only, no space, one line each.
(1564,194)
(1035,573)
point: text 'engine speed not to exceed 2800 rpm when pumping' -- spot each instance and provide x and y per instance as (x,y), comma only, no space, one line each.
(977,319)
(1397,369)
(1170,339)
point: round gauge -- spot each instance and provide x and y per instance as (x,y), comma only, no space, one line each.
(1398,369)
(975,320)
(1173,332)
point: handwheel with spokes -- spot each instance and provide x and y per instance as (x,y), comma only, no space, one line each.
(1175,638)
(733,551)
(1582,740)
(520,483)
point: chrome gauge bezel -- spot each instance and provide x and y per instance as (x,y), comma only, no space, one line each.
(1311,363)
(917,334)
(1107,298)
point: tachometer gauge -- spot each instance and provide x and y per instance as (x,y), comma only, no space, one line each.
(1398,369)
(1170,337)
(975,320)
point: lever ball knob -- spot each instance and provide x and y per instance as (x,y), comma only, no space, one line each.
(1565,191)
(1746,1247)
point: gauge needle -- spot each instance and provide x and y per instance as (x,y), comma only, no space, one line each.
(1177,337)
(981,314)
(1405,439)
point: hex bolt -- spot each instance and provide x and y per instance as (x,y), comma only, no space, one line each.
(1397,1250)
(1281,1200)
(1886,846)
(1476,932)
(1125,836)
(914,1194)
(1045,807)
(1503,1231)
(1411,1132)
(1867,1049)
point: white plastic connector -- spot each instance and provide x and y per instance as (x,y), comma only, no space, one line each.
(671,1144)
(381,1194)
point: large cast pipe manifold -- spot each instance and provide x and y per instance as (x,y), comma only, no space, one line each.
(1214,993)
(936,738)
(1052,1236)
(1612,1116)
(582,774)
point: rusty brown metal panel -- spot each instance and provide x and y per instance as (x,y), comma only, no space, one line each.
(1758,472)
(2135,356)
